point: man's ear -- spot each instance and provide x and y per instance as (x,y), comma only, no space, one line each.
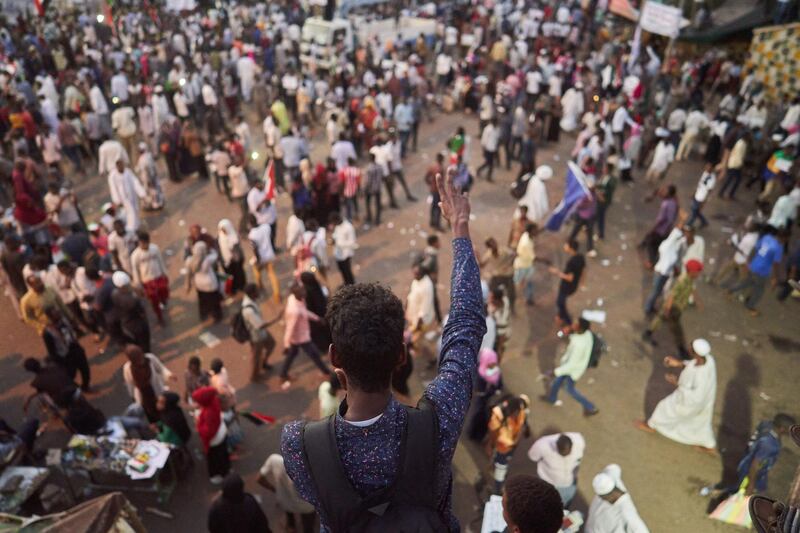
(333,356)
(340,374)
(403,357)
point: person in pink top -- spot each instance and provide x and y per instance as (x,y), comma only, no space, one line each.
(297,334)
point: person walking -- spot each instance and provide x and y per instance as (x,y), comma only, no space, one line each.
(490,141)
(212,432)
(571,278)
(507,425)
(344,246)
(733,165)
(297,334)
(765,262)
(573,365)
(262,343)
(63,347)
(146,379)
(149,272)
(558,458)
(202,275)
(260,237)
(231,255)
(704,187)
(523,262)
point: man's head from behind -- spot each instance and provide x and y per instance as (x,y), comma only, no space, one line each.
(564,445)
(531,505)
(366,322)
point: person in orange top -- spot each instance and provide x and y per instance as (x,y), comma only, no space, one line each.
(507,425)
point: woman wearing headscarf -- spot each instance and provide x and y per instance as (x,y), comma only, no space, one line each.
(232,255)
(172,425)
(236,511)
(489,382)
(201,274)
(212,432)
(317,302)
(145,376)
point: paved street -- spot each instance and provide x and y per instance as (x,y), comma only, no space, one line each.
(756,357)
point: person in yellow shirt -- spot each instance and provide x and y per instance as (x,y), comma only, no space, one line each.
(523,262)
(507,425)
(33,304)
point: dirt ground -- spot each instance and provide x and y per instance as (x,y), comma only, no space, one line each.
(756,357)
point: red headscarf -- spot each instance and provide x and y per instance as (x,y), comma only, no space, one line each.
(210,416)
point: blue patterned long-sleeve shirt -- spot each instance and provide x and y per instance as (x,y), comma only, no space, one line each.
(371,454)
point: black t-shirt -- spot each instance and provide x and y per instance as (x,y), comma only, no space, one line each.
(54,381)
(575,266)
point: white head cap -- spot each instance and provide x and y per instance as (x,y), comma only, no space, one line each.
(701,347)
(544,172)
(603,484)
(120,279)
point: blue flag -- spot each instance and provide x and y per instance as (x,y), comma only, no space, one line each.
(575,190)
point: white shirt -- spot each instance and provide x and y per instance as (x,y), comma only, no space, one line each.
(664,155)
(205,278)
(676,120)
(122,245)
(181,107)
(620,118)
(294,231)
(260,236)
(383,155)
(209,96)
(123,121)
(147,265)
(706,184)
(108,154)
(420,304)
(98,101)
(669,251)
(551,466)
(443,64)
(344,241)
(265,214)
(490,138)
(119,86)
(696,121)
(341,151)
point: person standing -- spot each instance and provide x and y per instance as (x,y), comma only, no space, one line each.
(605,195)
(430,179)
(126,191)
(612,509)
(146,379)
(420,307)
(372,191)
(490,140)
(686,415)
(663,156)
(573,365)
(344,246)
(36,300)
(149,272)
(63,347)
(236,511)
(557,459)
(232,255)
(128,317)
(202,275)
(765,261)
(571,278)
(123,122)
(260,204)
(350,185)
(260,237)
(704,187)
(297,334)
(273,477)
(498,268)
(734,164)
(261,341)
(212,432)
(681,293)
(585,214)
(121,243)
(508,423)
(523,262)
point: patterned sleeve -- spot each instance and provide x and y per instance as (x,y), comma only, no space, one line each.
(451,391)
(292,451)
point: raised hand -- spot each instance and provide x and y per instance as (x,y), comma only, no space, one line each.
(454,204)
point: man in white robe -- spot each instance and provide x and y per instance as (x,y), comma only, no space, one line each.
(535,197)
(108,154)
(246,71)
(126,191)
(612,509)
(572,107)
(685,415)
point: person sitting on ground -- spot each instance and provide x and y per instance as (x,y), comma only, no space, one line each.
(367,329)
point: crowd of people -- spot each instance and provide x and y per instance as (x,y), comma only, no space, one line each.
(149,95)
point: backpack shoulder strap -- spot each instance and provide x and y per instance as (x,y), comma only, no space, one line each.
(335,493)
(416,483)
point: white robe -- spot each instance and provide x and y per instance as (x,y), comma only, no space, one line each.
(246,70)
(127,190)
(572,108)
(685,415)
(535,199)
(108,154)
(160,110)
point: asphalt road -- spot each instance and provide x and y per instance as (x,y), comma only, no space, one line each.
(756,357)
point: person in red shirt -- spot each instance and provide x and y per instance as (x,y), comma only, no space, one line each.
(350,184)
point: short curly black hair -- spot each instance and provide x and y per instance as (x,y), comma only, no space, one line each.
(532,504)
(366,322)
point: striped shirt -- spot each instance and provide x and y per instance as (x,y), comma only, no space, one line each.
(350,180)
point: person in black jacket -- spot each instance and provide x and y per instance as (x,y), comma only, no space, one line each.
(63,347)
(236,511)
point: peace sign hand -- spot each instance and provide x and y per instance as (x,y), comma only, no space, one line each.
(454,204)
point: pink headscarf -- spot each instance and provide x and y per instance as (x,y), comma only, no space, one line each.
(487,358)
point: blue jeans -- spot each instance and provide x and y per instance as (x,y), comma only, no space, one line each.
(567,494)
(696,213)
(659,281)
(524,276)
(756,285)
(732,179)
(570,385)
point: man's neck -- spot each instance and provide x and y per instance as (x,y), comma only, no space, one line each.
(365,405)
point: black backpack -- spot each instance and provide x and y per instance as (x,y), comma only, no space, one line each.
(519,186)
(407,506)
(599,347)
(239,329)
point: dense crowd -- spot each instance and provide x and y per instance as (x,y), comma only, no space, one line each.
(140,96)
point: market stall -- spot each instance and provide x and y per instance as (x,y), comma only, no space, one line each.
(120,464)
